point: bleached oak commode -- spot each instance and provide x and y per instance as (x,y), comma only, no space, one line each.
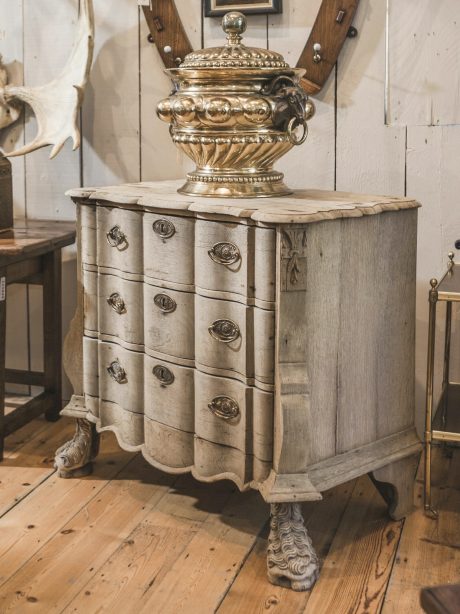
(268,341)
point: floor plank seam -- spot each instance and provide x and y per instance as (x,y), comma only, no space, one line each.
(392,565)
(25,495)
(245,558)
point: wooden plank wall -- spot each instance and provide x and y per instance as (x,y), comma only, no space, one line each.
(385,122)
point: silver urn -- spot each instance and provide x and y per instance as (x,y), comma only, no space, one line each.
(235,110)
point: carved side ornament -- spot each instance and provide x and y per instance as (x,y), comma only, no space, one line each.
(294,258)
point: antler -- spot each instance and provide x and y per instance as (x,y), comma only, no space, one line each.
(8,113)
(56,104)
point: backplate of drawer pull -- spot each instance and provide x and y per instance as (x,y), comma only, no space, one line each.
(224,330)
(224,253)
(224,407)
(164,228)
(115,236)
(165,303)
(116,372)
(162,373)
(117,303)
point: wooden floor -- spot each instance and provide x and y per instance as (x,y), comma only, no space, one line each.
(130,539)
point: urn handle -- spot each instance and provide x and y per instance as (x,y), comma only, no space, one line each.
(292,107)
(224,407)
(291,130)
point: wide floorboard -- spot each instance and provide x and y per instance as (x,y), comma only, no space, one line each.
(130,539)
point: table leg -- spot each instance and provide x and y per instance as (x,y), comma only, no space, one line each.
(52,330)
(75,458)
(291,559)
(433,298)
(2,357)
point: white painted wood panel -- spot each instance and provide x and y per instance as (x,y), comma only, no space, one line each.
(110,118)
(49,32)
(431,178)
(370,155)
(423,62)
(160,158)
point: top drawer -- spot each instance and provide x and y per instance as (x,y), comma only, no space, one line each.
(168,248)
(119,239)
(219,259)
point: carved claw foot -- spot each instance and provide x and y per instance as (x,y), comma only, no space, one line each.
(291,559)
(74,458)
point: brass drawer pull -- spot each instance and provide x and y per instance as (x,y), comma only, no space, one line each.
(115,236)
(224,407)
(224,330)
(165,303)
(224,253)
(164,228)
(116,372)
(162,373)
(116,302)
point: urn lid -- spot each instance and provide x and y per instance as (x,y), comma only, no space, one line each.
(234,54)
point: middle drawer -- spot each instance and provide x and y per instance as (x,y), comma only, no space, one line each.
(224,337)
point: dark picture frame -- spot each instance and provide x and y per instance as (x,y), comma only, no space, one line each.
(217,8)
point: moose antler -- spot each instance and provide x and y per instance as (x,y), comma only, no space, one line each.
(56,104)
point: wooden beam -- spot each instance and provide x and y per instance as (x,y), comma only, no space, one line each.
(40,404)
(330,31)
(167,31)
(19,376)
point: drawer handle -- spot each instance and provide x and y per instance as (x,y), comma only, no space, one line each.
(165,303)
(224,253)
(164,228)
(116,372)
(224,407)
(115,236)
(163,374)
(224,330)
(116,302)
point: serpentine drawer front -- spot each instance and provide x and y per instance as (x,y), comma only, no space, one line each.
(266,341)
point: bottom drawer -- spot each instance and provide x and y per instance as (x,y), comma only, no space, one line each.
(181,418)
(229,413)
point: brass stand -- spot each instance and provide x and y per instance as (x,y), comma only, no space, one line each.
(447,290)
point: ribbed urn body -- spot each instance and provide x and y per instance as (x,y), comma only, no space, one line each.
(235,111)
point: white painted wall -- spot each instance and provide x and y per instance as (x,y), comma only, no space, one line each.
(388,121)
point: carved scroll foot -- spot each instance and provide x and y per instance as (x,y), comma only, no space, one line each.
(291,559)
(395,482)
(74,458)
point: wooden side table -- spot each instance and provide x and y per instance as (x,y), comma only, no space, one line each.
(437,426)
(31,253)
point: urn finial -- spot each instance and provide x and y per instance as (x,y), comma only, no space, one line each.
(234,24)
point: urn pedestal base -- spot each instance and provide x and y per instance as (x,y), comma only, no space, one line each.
(260,185)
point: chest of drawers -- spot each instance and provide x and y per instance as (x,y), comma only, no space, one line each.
(268,341)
